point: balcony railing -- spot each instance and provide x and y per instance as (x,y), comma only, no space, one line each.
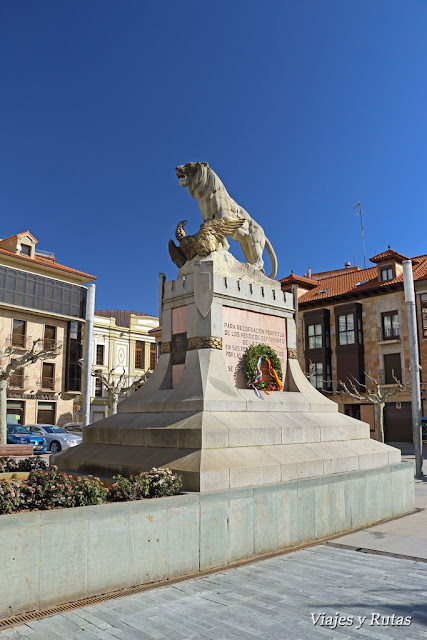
(19,341)
(50,343)
(47,383)
(17,381)
(388,333)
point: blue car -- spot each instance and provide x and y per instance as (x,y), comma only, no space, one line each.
(18,434)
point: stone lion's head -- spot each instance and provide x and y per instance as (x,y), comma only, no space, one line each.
(190,174)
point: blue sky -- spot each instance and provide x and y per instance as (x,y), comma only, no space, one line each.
(302,108)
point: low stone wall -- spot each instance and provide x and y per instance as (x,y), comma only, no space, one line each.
(52,557)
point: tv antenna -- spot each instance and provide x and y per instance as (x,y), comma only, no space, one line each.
(360,213)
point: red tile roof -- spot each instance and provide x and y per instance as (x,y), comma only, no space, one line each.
(335,272)
(301,280)
(363,281)
(388,255)
(23,233)
(48,263)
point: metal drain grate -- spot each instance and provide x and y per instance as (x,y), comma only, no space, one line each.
(374,552)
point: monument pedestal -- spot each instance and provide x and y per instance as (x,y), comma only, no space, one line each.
(196,414)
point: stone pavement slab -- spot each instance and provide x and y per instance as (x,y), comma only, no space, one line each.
(272,599)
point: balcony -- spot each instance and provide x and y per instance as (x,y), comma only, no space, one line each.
(388,334)
(16,381)
(50,344)
(48,384)
(19,341)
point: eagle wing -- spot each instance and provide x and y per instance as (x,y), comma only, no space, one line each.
(176,254)
(219,228)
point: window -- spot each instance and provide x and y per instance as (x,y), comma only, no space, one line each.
(43,294)
(153,355)
(316,374)
(25,249)
(16,379)
(73,370)
(49,336)
(48,375)
(139,354)
(100,354)
(386,274)
(392,368)
(390,325)
(346,329)
(98,388)
(359,329)
(424,313)
(15,412)
(19,333)
(352,410)
(315,338)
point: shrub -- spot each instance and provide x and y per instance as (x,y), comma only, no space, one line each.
(133,488)
(88,490)
(162,482)
(12,465)
(10,496)
(47,490)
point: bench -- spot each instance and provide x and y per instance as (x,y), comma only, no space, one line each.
(16,450)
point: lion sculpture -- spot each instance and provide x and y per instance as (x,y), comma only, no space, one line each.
(214,202)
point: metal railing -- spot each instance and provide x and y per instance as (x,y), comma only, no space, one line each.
(19,341)
(46,382)
(50,343)
(44,254)
(16,381)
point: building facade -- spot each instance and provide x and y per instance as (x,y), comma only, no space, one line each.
(352,322)
(41,300)
(122,344)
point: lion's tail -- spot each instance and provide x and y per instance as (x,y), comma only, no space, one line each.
(273,258)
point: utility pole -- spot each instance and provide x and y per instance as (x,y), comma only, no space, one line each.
(360,213)
(88,353)
(411,315)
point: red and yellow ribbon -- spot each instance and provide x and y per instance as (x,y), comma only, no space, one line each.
(272,373)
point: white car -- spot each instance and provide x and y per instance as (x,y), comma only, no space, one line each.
(57,438)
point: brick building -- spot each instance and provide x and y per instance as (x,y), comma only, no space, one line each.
(351,321)
(41,300)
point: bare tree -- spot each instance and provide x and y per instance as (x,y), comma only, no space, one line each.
(375,393)
(116,385)
(14,365)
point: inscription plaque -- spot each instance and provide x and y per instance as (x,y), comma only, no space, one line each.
(178,348)
(241,329)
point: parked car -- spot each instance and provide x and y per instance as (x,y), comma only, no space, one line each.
(74,427)
(18,434)
(57,438)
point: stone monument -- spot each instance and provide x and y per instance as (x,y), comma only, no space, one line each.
(196,414)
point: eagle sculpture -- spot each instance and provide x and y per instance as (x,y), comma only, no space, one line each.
(210,237)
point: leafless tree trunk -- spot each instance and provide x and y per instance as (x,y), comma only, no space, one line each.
(376,394)
(116,386)
(22,360)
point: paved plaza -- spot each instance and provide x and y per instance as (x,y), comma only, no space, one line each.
(272,599)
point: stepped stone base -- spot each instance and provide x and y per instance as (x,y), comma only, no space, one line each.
(197,417)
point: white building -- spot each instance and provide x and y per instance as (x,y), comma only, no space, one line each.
(121,342)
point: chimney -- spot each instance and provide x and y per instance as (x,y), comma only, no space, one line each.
(347,264)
